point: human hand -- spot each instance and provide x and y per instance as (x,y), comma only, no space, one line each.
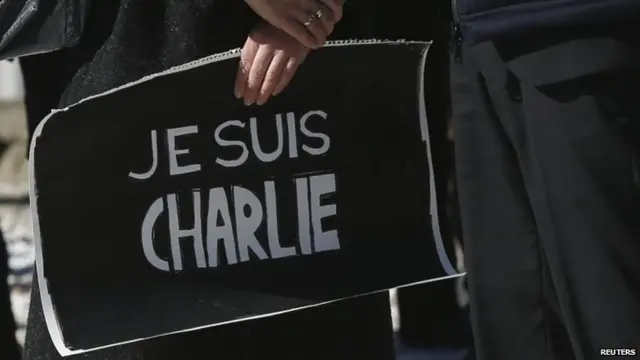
(308,21)
(269,59)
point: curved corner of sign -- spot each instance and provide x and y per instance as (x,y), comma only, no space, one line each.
(38,131)
(425,51)
(51,321)
(48,311)
(445,261)
(50,318)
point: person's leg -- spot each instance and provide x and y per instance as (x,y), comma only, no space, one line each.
(582,117)
(505,269)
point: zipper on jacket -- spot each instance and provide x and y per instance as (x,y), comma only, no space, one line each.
(456,34)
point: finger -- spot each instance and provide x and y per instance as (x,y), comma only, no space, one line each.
(315,27)
(272,78)
(322,18)
(335,6)
(295,28)
(257,73)
(326,18)
(289,70)
(244,67)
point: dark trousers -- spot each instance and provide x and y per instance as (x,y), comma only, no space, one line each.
(547,136)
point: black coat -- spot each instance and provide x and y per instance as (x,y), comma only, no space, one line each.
(486,20)
(134,38)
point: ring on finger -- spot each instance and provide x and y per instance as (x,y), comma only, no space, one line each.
(316,15)
(309,21)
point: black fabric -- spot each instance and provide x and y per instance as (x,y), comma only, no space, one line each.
(35,26)
(10,350)
(46,76)
(484,20)
(43,85)
(148,39)
(550,194)
(129,39)
(14,16)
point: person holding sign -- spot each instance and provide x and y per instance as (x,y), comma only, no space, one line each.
(266,67)
(547,135)
(308,22)
(130,39)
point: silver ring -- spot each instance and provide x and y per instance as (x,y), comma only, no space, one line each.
(309,20)
(317,15)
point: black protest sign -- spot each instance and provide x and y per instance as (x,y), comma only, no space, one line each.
(167,205)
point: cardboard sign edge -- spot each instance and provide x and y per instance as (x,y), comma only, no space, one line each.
(51,320)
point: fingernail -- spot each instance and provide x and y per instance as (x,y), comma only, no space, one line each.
(237,94)
(247,102)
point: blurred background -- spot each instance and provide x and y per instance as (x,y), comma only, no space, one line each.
(15,221)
